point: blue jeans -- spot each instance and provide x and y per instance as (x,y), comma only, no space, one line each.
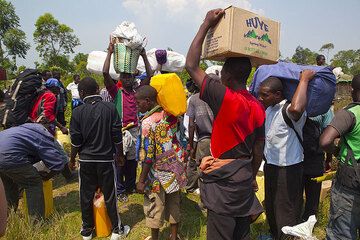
(344,219)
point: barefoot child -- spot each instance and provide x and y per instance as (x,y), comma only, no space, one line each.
(163,173)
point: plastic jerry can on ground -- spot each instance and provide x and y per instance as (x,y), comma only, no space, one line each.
(48,199)
(101,217)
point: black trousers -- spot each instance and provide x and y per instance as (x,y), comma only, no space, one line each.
(312,196)
(92,176)
(283,197)
(25,177)
(126,177)
(221,227)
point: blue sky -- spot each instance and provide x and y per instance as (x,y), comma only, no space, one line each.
(173,23)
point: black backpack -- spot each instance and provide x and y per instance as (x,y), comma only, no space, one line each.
(19,102)
(313,154)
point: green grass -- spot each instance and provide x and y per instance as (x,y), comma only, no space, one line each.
(65,223)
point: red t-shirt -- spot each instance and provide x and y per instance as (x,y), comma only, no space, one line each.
(238,123)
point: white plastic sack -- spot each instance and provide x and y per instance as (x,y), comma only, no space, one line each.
(215,69)
(95,63)
(128,32)
(302,230)
(338,72)
(175,62)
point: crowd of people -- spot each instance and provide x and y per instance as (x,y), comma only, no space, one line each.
(229,133)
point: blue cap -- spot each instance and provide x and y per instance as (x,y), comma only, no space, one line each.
(52,82)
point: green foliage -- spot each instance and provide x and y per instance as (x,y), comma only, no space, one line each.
(184,75)
(348,60)
(251,77)
(54,41)
(12,40)
(327,47)
(80,57)
(15,41)
(304,56)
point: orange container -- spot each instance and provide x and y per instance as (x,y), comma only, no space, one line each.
(101,218)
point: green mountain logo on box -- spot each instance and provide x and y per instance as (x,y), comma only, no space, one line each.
(252,34)
(257,23)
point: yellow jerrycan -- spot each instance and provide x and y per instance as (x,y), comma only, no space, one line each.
(48,199)
(101,217)
(171,94)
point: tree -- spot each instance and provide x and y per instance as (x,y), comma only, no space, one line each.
(12,40)
(327,47)
(54,40)
(80,62)
(304,56)
(348,60)
(80,57)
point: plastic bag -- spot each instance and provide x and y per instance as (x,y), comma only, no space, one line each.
(125,58)
(215,69)
(175,62)
(95,64)
(302,230)
(171,94)
(128,33)
(321,90)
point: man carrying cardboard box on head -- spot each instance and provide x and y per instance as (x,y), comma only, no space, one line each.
(237,142)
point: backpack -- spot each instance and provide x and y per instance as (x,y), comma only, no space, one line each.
(310,143)
(23,93)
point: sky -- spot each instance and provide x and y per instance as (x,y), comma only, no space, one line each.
(174,23)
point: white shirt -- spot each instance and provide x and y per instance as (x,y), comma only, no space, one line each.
(73,87)
(282,147)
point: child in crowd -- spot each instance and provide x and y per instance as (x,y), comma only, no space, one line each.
(96,135)
(125,102)
(163,172)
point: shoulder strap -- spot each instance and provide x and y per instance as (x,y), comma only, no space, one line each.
(289,122)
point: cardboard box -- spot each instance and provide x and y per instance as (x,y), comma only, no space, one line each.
(242,33)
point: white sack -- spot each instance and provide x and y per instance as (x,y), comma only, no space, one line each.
(95,63)
(175,62)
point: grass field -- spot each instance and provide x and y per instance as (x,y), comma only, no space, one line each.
(66,221)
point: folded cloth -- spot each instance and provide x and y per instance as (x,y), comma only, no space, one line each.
(209,164)
(128,141)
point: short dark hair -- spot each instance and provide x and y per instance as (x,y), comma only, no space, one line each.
(274,84)
(76,75)
(238,67)
(45,72)
(56,74)
(355,83)
(319,57)
(88,85)
(146,91)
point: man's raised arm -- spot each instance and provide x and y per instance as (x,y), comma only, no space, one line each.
(193,56)
(108,81)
